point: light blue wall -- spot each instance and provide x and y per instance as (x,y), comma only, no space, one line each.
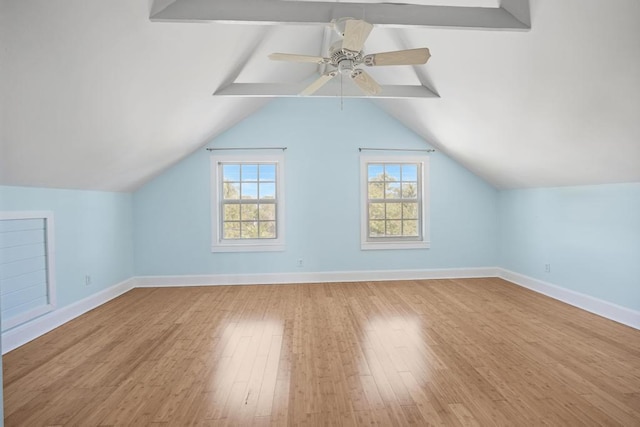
(590,235)
(93,236)
(172,212)
(1,384)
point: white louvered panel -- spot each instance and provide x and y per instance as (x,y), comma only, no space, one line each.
(21,224)
(25,263)
(23,299)
(15,283)
(22,252)
(13,270)
(15,239)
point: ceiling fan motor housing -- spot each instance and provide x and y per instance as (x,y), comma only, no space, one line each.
(340,56)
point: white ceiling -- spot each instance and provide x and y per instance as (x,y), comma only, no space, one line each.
(96,96)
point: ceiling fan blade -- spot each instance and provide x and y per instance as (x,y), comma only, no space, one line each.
(297,58)
(365,82)
(355,33)
(398,57)
(316,85)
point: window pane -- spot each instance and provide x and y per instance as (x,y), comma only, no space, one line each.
(249,212)
(231,172)
(231,230)
(249,191)
(231,213)
(376,211)
(267,212)
(249,173)
(394,210)
(393,204)
(410,172)
(392,172)
(247,202)
(394,228)
(410,228)
(375,172)
(249,230)
(267,172)
(410,210)
(231,191)
(392,190)
(268,191)
(376,228)
(268,230)
(376,190)
(409,190)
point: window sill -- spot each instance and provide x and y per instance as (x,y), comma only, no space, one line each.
(248,247)
(368,246)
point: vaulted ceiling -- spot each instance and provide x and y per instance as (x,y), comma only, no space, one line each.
(95,95)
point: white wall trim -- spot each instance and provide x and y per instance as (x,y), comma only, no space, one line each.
(50,253)
(14,338)
(22,334)
(312,277)
(586,302)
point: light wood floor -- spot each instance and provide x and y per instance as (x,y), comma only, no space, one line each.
(441,352)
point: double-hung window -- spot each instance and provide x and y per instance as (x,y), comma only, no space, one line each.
(247,202)
(394,202)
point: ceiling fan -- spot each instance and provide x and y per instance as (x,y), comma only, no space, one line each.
(345,55)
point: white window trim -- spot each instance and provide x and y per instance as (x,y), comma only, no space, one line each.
(47,216)
(365,243)
(246,245)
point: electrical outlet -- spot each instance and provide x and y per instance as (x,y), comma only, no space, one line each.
(87,280)
(547,268)
(300,262)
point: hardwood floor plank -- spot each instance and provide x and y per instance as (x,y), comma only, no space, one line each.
(417,352)
(267,391)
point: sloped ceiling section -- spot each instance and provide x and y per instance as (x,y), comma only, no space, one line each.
(556,106)
(94,95)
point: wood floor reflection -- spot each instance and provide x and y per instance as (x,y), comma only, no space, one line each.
(430,352)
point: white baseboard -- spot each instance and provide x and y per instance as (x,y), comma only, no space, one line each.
(312,277)
(24,333)
(594,305)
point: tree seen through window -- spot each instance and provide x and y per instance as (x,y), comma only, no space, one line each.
(392,198)
(249,201)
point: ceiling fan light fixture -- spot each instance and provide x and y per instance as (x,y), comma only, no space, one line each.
(347,54)
(346,66)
